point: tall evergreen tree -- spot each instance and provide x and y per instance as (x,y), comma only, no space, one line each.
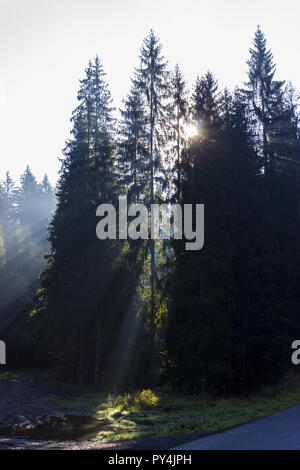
(265,95)
(8,216)
(133,156)
(152,80)
(284,138)
(72,298)
(23,221)
(180,104)
(206,103)
(26,197)
(47,195)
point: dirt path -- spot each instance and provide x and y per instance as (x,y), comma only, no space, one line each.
(158,443)
(26,395)
(29,397)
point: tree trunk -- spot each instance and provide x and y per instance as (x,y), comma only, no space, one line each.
(178,154)
(97,355)
(81,364)
(152,250)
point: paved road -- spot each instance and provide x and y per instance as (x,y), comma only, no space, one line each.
(280,431)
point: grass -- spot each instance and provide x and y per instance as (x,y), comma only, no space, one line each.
(148,413)
(8,375)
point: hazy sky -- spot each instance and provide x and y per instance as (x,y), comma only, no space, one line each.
(46,44)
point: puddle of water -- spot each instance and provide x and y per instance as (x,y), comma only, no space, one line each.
(62,428)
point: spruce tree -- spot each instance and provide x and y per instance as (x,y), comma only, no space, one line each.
(206,103)
(8,216)
(218,171)
(152,81)
(133,157)
(284,138)
(23,221)
(47,195)
(27,196)
(265,95)
(72,298)
(180,110)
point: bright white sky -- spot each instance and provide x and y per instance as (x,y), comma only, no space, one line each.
(46,44)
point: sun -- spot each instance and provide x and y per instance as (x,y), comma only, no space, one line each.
(190,130)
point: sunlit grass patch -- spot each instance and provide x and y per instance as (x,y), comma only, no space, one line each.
(144,400)
(152,413)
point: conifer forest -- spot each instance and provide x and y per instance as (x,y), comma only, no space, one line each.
(120,315)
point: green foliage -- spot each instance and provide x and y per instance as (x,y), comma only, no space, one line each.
(144,400)
(149,414)
(8,375)
(231,320)
(25,211)
(130,315)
